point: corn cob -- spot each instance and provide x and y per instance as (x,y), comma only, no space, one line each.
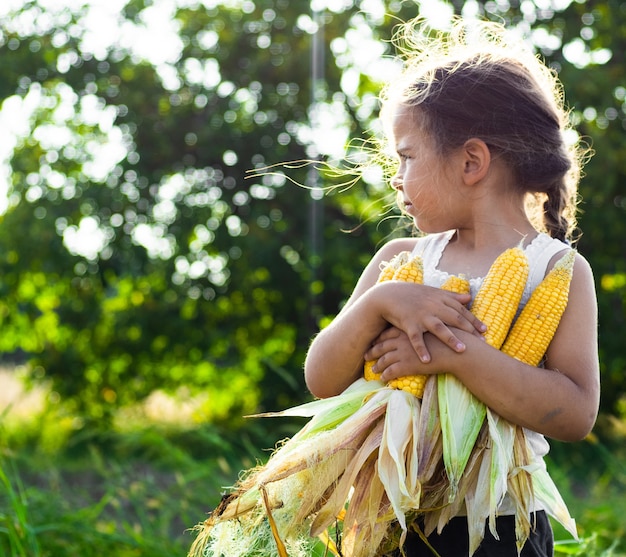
(413,384)
(405,269)
(387,272)
(458,285)
(499,296)
(368,372)
(410,271)
(532,333)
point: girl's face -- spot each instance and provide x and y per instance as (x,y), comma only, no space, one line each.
(423,181)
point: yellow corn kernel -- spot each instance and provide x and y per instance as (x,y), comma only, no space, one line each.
(458,285)
(413,384)
(368,372)
(532,333)
(499,296)
(411,271)
(388,268)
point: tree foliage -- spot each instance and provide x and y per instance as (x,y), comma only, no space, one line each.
(138,251)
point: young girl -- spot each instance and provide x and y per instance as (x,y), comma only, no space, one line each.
(486,162)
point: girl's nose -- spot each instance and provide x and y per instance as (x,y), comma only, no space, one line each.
(396,181)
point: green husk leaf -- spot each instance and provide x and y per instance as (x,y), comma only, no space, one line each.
(462,416)
(548,495)
(328,412)
(429,434)
(502,437)
(486,495)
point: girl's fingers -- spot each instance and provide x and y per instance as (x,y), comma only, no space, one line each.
(441,331)
(462,318)
(382,344)
(388,334)
(417,341)
(466,316)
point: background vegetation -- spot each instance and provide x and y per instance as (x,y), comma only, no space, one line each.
(153,290)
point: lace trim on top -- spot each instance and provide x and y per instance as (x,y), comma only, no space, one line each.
(539,252)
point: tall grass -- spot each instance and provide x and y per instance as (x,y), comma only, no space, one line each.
(19,538)
(132,495)
(138,492)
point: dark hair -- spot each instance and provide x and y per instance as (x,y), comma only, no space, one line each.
(487,86)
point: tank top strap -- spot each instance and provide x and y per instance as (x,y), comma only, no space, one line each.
(430,249)
(539,252)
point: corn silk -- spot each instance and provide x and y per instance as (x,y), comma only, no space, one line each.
(369,462)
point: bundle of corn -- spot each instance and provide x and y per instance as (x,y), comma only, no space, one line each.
(462,414)
(376,452)
(505,466)
(272,510)
(409,458)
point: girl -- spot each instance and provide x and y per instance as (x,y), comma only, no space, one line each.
(486,161)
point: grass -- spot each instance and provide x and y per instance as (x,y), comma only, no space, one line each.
(137,490)
(124,495)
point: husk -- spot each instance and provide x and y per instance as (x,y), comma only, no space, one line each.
(462,416)
(397,457)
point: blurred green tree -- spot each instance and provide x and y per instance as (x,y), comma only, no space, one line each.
(135,254)
(137,251)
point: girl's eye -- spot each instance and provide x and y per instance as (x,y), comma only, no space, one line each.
(403,156)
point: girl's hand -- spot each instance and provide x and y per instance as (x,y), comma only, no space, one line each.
(394,354)
(416,309)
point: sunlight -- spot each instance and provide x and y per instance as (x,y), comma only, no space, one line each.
(438,12)
(153,37)
(87,239)
(100,29)
(578,53)
(154,239)
(15,114)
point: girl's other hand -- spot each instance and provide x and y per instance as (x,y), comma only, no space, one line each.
(394,354)
(416,310)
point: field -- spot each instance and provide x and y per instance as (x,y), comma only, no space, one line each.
(137,488)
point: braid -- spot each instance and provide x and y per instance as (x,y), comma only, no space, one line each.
(556,211)
(554,174)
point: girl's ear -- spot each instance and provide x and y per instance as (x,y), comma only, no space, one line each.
(476,160)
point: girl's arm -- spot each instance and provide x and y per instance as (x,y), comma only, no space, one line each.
(335,357)
(561,400)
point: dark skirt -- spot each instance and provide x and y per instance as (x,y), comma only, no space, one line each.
(454,540)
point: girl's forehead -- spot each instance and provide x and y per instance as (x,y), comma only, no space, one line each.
(405,122)
(403,111)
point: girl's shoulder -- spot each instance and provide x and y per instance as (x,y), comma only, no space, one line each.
(396,246)
(416,245)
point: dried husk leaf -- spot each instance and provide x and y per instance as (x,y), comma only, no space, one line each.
(397,455)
